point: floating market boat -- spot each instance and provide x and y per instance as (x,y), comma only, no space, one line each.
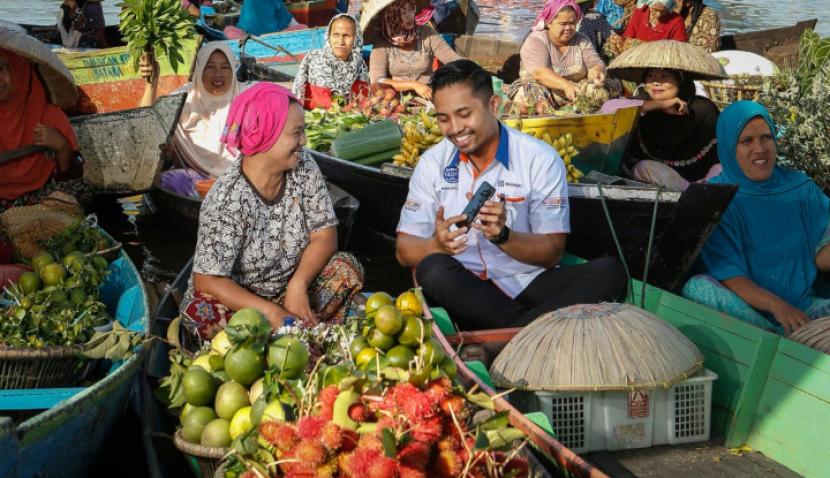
(675,224)
(315,13)
(501,57)
(50,35)
(58,432)
(771,395)
(276,56)
(107,81)
(164,460)
(121,149)
(183,211)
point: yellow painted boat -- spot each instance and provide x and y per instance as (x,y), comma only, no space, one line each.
(600,138)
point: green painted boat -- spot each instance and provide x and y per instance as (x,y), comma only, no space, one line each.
(772,396)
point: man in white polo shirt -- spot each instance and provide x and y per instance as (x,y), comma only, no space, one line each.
(503,271)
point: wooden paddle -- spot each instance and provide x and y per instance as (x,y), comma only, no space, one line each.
(18,153)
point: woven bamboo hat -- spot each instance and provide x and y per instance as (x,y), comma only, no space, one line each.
(816,334)
(695,62)
(596,347)
(55,75)
(370,18)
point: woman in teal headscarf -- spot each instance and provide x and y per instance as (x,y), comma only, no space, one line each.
(762,260)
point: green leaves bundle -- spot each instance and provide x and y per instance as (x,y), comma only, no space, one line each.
(155,26)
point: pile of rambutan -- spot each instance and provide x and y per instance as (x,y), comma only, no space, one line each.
(403,432)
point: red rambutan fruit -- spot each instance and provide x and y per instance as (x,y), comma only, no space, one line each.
(370,441)
(382,467)
(331,436)
(358,412)
(309,453)
(429,430)
(453,403)
(348,441)
(281,435)
(438,389)
(409,472)
(414,455)
(309,428)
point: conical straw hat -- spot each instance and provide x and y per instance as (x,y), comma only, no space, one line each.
(596,347)
(694,61)
(370,18)
(56,77)
(816,334)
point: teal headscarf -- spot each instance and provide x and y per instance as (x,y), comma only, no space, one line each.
(770,231)
(259,17)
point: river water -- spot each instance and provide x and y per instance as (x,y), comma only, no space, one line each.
(511,19)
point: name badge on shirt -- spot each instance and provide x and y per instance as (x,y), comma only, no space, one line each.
(451,174)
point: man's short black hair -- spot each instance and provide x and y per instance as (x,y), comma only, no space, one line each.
(467,72)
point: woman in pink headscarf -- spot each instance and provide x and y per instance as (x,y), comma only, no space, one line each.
(555,57)
(267,235)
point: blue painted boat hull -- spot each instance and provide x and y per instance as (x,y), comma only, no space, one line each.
(64,440)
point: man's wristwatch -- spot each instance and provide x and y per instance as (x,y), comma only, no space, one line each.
(502,237)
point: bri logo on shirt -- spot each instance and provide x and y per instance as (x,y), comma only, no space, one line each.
(451,174)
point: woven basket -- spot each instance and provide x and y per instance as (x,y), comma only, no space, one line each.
(49,367)
(816,334)
(725,92)
(204,461)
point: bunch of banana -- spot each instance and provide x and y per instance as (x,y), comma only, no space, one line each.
(565,147)
(420,132)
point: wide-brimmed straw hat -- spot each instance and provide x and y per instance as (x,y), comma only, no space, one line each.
(370,18)
(695,62)
(55,75)
(596,347)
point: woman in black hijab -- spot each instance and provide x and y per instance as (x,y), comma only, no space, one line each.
(675,141)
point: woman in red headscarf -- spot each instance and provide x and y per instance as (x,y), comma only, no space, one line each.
(29,120)
(267,237)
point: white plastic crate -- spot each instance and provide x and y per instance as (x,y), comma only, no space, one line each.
(596,421)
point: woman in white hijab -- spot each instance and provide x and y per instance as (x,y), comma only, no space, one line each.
(196,141)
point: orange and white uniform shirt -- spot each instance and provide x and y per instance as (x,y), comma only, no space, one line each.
(529,176)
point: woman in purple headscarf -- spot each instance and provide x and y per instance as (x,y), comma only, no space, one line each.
(267,236)
(555,57)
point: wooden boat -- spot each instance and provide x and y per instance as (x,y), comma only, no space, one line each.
(314,13)
(158,425)
(121,149)
(501,57)
(778,44)
(165,461)
(63,429)
(682,222)
(50,35)
(602,139)
(276,57)
(771,396)
(182,212)
(107,81)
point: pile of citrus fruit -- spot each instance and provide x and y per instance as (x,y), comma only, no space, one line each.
(57,303)
(241,379)
(395,334)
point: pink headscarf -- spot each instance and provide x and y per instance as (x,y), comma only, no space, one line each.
(551,9)
(256,118)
